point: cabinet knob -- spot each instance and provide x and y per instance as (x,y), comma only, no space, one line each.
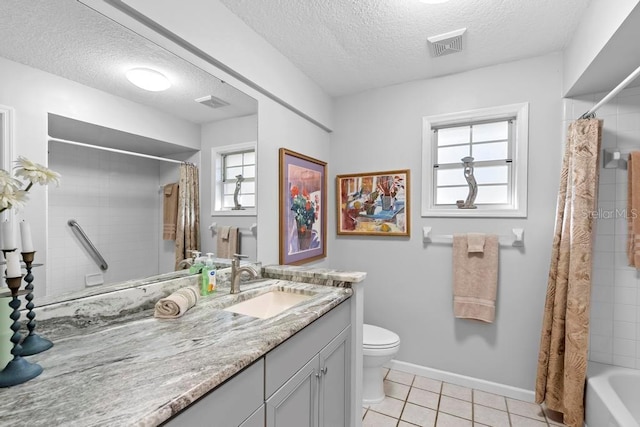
(325,370)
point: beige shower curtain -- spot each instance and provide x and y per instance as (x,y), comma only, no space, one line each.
(188,224)
(562,360)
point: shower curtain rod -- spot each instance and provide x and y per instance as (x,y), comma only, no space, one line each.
(114,150)
(591,113)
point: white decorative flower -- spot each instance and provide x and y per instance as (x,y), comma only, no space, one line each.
(10,198)
(8,183)
(12,195)
(36,173)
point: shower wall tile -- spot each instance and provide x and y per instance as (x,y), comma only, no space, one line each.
(615,309)
(602,293)
(116,200)
(624,361)
(602,311)
(625,312)
(626,295)
(602,276)
(625,330)
(605,357)
(602,344)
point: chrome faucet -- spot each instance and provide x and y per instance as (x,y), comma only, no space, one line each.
(188,262)
(184,264)
(237,270)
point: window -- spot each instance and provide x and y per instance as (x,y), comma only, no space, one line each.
(229,162)
(496,138)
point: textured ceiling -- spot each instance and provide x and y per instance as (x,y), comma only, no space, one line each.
(66,38)
(348,46)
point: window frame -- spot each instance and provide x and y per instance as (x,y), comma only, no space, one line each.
(519,153)
(217,163)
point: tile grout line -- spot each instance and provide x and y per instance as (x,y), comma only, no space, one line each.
(412,386)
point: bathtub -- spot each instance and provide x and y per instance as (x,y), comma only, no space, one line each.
(612,396)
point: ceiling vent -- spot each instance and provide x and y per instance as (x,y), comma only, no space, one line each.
(446,43)
(211,101)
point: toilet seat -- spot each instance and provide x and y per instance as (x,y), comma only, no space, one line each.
(375,337)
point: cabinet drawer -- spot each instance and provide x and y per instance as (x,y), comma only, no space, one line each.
(228,405)
(289,357)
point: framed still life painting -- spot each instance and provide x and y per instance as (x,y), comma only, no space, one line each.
(375,203)
(303,197)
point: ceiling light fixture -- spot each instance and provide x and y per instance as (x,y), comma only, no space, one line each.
(148,79)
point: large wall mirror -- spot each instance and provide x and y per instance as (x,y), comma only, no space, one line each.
(63,70)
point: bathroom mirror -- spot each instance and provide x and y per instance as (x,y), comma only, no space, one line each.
(62,72)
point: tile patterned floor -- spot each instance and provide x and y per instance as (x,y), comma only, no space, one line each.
(412,400)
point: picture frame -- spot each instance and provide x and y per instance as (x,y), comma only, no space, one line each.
(303,212)
(374,203)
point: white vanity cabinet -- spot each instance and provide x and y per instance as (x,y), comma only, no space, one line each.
(307,378)
(305,381)
(238,402)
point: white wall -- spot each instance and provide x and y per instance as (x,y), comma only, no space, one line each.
(409,287)
(216,134)
(278,127)
(615,299)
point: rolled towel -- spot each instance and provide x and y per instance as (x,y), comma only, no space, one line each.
(176,304)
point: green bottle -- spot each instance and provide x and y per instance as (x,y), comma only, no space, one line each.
(208,276)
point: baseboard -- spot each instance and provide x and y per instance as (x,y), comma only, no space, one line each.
(462,380)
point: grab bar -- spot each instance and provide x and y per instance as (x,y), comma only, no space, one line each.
(84,239)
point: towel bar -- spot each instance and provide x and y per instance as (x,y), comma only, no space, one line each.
(252,230)
(516,239)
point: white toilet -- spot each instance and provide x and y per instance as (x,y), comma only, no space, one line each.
(379,347)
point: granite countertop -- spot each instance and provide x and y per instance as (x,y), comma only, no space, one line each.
(144,370)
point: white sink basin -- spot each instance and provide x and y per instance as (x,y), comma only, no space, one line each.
(269,304)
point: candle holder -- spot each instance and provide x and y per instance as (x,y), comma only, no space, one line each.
(33,343)
(18,370)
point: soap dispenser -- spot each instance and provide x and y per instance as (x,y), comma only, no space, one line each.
(208,276)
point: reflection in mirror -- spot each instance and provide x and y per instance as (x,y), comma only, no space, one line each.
(64,63)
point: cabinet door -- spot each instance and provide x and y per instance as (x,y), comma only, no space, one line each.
(295,403)
(228,405)
(256,419)
(335,380)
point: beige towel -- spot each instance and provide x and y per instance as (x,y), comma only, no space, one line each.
(475,279)
(475,242)
(176,304)
(633,208)
(170,211)
(228,242)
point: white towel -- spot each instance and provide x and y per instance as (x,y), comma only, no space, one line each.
(475,279)
(176,304)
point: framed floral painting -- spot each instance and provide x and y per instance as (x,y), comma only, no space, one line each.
(303,197)
(374,203)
